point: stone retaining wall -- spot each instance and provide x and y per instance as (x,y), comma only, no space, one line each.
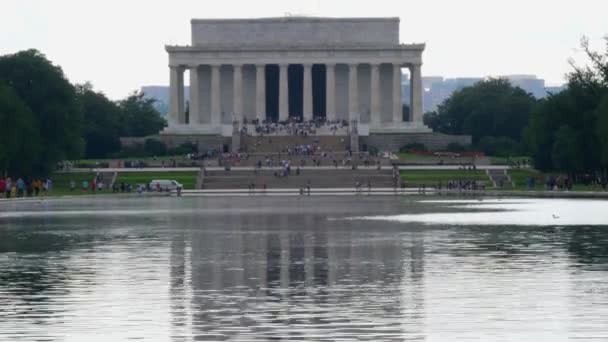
(204,142)
(432,141)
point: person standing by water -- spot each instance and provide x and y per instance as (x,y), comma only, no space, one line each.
(14,189)
(49,184)
(37,184)
(29,188)
(8,185)
(20,187)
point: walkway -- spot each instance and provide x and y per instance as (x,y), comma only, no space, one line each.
(244,168)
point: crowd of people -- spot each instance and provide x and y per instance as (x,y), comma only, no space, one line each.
(554,183)
(463,184)
(21,187)
(301,155)
(293,126)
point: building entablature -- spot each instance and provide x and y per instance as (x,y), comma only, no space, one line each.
(189,56)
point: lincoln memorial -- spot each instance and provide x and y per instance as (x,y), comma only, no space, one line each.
(295,69)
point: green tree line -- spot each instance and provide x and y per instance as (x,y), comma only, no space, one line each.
(566,132)
(46,119)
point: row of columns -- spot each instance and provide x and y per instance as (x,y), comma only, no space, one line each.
(177,93)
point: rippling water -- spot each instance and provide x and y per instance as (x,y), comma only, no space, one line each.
(314,269)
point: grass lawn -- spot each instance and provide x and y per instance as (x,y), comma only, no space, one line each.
(187,178)
(520,177)
(61,183)
(406,155)
(432,177)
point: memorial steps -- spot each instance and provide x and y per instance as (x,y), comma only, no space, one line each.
(277,144)
(309,160)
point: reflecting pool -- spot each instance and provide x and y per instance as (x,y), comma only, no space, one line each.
(342,268)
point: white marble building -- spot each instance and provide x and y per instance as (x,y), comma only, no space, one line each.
(276,68)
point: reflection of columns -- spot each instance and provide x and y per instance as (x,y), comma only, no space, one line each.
(216,111)
(416,93)
(353,93)
(330,92)
(307,110)
(176,100)
(260,92)
(238,93)
(283,93)
(397,102)
(332,257)
(195,102)
(262,271)
(375,95)
(285,259)
(309,255)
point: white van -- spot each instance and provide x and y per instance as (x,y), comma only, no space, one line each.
(165,185)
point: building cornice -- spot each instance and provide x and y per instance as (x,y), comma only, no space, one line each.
(295,19)
(234,48)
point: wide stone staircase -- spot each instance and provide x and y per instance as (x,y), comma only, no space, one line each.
(317,159)
(317,178)
(107,177)
(500,178)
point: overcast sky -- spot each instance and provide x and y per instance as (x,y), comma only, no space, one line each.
(118,45)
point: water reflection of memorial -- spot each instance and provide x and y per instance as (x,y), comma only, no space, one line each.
(292,276)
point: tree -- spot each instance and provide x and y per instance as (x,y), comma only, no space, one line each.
(101,122)
(431,119)
(155,147)
(566,150)
(499,146)
(19,141)
(56,116)
(602,130)
(489,108)
(567,131)
(139,117)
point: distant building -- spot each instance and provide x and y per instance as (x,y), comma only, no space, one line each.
(555,89)
(529,83)
(437,89)
(161,95)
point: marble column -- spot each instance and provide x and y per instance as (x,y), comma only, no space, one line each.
(330,92)
(216,108)
(416,93)
(260,92)
(176,99)
(238,93)
(397,102)
(353,93)
(375,116)
(307,106)
(195,101)
(283,93)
